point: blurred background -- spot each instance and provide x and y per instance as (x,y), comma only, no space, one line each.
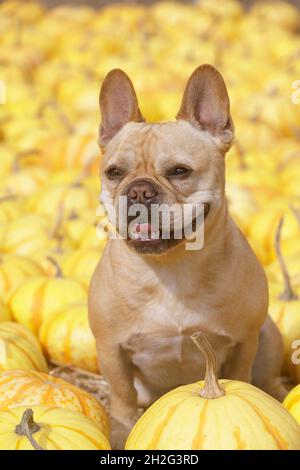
(52,62)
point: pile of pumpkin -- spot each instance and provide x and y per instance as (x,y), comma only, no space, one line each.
(52,63)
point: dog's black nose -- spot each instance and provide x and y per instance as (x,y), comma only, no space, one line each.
(141,192)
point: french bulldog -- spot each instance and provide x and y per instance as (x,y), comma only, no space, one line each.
(149,295)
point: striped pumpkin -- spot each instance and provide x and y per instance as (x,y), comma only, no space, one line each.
(292,403)
(73,197)
(19,349)
(215,415)
(15,269)
(77,150)
(40,297)
(28,388)
(10,208)
(82,263)
(49,428)
(5,314)
(67,338)
(286,315)
(26,235)
(285,312)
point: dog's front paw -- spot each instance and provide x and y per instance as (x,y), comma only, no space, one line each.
(119,434)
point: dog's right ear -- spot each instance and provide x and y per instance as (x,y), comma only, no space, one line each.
(118,105)
(205,104)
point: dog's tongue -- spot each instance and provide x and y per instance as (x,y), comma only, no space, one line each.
(142,232)
(143,229)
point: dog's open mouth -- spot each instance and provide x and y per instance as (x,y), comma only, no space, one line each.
(146,238)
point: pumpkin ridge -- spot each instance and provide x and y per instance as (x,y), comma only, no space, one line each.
(292,401)
(198,440)
(241,444)
(80,432)
(16,396)
(6,279)
(37,305)
(18,346)
(278,439)
(159,429)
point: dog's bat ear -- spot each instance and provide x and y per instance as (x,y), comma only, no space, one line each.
(205,104)
(118,105)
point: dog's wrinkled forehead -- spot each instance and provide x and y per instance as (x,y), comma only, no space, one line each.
(152,147)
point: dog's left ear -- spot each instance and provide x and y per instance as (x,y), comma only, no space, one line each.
(205,104)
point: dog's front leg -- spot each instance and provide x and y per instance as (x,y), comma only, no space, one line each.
(239,366)
(118,371)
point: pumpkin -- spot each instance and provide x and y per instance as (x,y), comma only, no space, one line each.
(28,388)
(40,297)
(215,415)
(285,311)
(19,349)
(25,181)
(82,263)
(27,235)
(15,269)
(49,428)
(10,208)
(73,197)
(67,338)
(292,403)
(77,150)
(5,314)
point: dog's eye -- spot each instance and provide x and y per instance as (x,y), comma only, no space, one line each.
(178,171)
(114,172)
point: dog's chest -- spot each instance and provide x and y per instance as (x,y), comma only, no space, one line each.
(161,348)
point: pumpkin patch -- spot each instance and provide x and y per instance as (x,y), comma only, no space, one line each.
(53,58)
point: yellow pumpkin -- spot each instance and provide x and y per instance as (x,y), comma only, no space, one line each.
(49,428)
(28,388)
(285,311)
(263,229)
(15,269)
(292,403)
(67,338)
(27,235)
(41,297)
(82,263)
(5,314)
(25,181)
(10,208)
(77,150)
(73,197)
(215,415)
(20,349)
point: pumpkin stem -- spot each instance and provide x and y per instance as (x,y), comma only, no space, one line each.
(212,388)
(296,213)
(55,231)
(27,427)
(59,272)
(8,197)
(288,293)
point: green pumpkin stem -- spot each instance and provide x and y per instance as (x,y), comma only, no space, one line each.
(288,293)
(28,427)
(212,388)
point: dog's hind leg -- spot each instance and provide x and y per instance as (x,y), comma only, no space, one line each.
(267,368)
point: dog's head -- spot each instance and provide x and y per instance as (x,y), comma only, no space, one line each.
(173,163)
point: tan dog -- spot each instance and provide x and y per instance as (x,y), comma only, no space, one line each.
(148,297)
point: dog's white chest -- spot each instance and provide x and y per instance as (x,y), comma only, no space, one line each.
(162,351)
